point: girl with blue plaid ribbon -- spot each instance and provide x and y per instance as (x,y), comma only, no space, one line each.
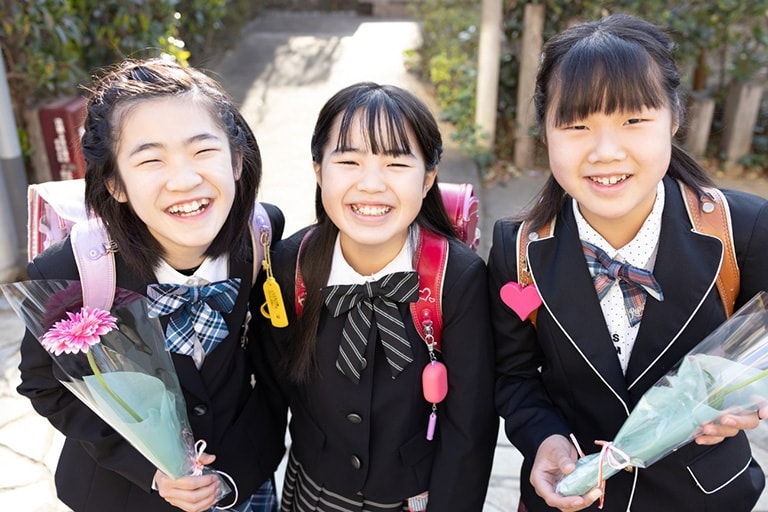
(351,364)
(173,171)
(623,284)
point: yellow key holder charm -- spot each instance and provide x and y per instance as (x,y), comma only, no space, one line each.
(273,308)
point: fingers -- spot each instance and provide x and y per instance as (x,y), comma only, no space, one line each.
(555,458)
(728,425)
(191,493)
(206,458)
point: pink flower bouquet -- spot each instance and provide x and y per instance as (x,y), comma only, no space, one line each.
(117,364)
(725,372)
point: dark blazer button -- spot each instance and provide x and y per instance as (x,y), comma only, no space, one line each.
(364,364)
(200,409)
(355,462)
(354,418)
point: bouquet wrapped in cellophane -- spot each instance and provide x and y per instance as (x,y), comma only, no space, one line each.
(117,364)
(726,372)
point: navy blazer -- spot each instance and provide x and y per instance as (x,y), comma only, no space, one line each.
(370,437)
(564,376)
(98,469)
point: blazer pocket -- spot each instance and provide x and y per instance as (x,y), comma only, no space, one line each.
(416,449)
(721,464)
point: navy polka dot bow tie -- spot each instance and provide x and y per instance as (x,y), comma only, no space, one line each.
(194,310)
(364,304)
(634,282)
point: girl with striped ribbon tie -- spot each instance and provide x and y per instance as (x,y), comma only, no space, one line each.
(351,363)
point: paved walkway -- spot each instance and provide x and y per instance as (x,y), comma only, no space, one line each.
(281,72)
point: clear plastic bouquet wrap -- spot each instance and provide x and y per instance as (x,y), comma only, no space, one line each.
(724,373)
(116,363)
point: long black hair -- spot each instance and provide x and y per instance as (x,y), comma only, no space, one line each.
(385,113)
(620,63)
(119,89)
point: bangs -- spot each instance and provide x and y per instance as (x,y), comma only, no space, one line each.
(601,76)
(381,123)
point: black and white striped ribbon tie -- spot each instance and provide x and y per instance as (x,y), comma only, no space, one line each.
(365,303)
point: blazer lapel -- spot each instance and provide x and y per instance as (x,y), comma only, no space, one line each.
(686,267)
(565,285)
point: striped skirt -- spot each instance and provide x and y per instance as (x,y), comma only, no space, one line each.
(302,494)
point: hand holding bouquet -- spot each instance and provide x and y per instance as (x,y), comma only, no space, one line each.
(726,372)
(116,363)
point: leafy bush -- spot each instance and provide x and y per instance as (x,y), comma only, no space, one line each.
(448,59)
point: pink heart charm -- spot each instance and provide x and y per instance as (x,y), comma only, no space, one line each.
(522,300)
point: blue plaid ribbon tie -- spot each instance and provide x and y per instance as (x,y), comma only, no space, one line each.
(364,304)
(193,310)
(634,282)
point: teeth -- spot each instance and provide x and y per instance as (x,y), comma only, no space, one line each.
(191,207)
(371,210)
(609,180)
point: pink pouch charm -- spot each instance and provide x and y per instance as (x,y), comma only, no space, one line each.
(431,426)
(522,300)
(434,382)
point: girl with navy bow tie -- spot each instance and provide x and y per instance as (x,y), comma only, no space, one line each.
(622,284)
(351,362)
(172,170)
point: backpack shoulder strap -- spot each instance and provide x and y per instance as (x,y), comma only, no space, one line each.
(427,312)
(300,290)
(94,255)
(524,235)
(709,214)
(261,236)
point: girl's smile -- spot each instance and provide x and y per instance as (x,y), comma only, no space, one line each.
(608,180)
(189,209)
(366,210)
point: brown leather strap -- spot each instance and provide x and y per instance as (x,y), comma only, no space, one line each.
(710,215)
(525,235)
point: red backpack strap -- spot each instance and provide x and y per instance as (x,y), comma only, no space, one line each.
(427,312)
(95,258)
(300,290)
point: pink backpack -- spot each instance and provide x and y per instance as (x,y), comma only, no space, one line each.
(57,209)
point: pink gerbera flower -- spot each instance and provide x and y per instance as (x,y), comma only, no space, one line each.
(79,331)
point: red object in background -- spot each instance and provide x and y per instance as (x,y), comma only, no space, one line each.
(61,123)
(462,206)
